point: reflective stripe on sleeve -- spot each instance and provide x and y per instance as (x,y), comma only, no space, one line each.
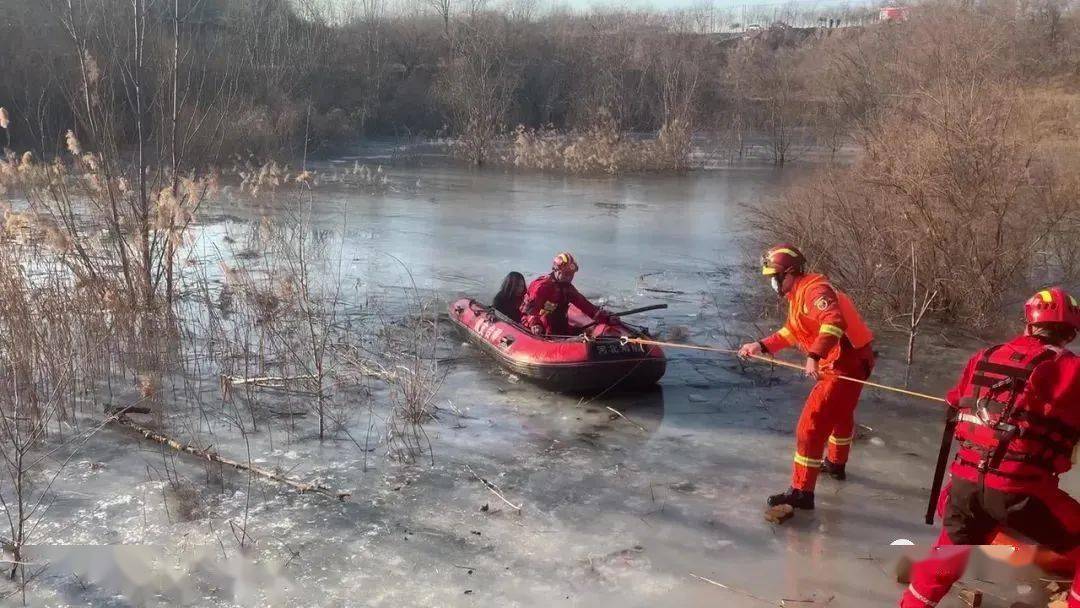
(832,330)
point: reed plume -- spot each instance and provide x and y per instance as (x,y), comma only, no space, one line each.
(72,143)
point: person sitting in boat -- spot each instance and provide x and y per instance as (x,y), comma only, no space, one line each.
(510,297)
(549,298)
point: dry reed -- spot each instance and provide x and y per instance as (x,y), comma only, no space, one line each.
(601,149)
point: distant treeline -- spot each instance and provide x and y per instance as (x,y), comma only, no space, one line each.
(275,70)
(276,77)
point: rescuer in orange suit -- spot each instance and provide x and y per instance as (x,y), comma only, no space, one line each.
(822,322)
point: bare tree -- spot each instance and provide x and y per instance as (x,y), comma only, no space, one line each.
(771,97)
(920,305)
(477,87)
(442,9)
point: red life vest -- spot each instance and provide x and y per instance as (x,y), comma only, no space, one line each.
(547,301)
(1008,438)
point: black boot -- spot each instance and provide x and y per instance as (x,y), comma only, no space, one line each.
(836,471)
(796,498)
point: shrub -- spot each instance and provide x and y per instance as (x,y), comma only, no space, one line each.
(968,174)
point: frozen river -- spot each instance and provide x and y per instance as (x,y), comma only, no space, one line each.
(612,516)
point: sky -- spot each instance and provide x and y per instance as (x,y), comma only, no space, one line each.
(719,4)
(725,15)
(652,4)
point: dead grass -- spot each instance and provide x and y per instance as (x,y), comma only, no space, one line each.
(601,149)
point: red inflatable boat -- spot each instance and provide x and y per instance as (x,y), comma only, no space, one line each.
(594,362)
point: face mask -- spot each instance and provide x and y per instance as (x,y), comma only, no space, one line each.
(775,281)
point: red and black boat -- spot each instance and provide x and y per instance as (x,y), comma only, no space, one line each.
(594,361)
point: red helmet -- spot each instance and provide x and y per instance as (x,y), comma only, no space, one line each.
(782,259)
(1053,305)
(565,262)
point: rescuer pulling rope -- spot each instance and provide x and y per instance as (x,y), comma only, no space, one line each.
(778,362)
(822,323)
(1015,414)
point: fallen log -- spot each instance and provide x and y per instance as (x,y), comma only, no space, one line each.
(299,486)
(112,410)
(271,382)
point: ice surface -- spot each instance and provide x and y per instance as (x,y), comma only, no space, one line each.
(612,516)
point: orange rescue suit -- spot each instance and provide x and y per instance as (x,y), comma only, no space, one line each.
(823,323)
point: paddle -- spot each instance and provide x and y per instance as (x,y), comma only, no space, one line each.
(632,311)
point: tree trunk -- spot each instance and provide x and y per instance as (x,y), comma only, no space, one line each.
(140,120)
(913,328)
(169,249)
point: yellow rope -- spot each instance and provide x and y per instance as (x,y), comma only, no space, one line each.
(773,361)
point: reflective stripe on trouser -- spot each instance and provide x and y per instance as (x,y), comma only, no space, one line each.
(809,463)
(932,578)
(913,592)
(829,410)
(841,439)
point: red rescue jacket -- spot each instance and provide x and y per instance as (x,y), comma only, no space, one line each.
(1018,415)
(546,304)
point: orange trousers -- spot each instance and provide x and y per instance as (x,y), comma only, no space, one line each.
(828,417)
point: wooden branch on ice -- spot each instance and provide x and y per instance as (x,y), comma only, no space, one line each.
(971,597)
(494,489)
(736,590)
(301,487)
(275,382)
(376,371)
(265,379)
(620,415)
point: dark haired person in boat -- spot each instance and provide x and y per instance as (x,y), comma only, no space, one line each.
(510,297)
(549,297)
